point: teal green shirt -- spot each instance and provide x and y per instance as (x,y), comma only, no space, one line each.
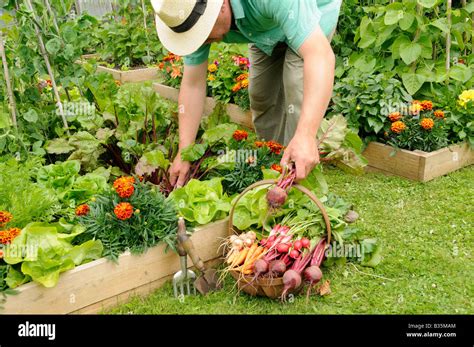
(268,22)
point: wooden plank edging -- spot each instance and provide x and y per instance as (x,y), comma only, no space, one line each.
(96,284)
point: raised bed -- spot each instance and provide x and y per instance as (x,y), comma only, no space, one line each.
(135,75)
(132,75)
(417,165)
(100,284)
(236,114)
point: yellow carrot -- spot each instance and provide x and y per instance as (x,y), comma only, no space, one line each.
(252,250)
(240,258)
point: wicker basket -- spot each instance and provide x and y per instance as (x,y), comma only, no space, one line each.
(270,287)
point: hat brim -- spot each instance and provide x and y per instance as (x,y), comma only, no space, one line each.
(190,41)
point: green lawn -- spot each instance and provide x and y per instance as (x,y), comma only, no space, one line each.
(426,233)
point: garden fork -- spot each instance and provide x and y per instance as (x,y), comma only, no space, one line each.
(184,278)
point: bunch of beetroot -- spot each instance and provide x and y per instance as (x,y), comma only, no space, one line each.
(295,260)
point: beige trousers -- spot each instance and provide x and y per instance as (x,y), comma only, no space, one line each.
(276,92)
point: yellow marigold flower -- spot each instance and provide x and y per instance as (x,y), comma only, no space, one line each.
(212,68)
(427,123)
(395,116)
(415,109)
(398,127)
(439,114)
(211,78)
(465,97)
(245,83)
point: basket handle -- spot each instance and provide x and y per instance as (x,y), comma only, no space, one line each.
(301,188)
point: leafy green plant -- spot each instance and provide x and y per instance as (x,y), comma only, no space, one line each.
(365,101)
(129,37)
(201,202)
(25,199)
(44,251)
(67,184)
(134,223)
(409,37)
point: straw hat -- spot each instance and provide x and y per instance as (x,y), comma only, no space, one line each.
(184,25)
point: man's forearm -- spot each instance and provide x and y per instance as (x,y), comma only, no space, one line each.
(318,83)
(191,106)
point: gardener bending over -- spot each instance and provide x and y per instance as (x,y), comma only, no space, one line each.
(291,66)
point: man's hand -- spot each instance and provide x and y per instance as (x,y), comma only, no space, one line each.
(179,172)
(303,151)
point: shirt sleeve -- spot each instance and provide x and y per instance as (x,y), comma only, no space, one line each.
(198,57)
(296,18)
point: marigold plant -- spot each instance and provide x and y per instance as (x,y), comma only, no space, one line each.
(421,129)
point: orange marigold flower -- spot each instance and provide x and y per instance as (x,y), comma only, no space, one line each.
(5,217)
(82,210)
(277,167)
(275,147)
(439,114)
(398,127)
(1,253)
(171,57)
(427,123)
(14,232)
(161,65)
(125,191)
(394,116)
(123,211)
(240,135)
(427,105)
(242,77)
(7,236)
(141,178)
(176,72)
(259,144)
(245,83)
(122,181)
(236,87)
(4,237)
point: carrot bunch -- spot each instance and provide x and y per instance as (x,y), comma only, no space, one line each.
(244,251)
